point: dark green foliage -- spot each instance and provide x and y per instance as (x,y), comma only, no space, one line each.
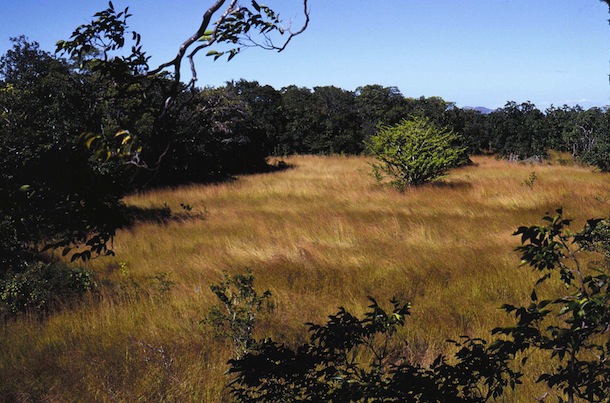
(583,133)
(41,287)
(433,108)
(337,131)
(571,328)
(353,359)
(54,192)
(264,105)
(297,106)
(132,111)
(378,105)
(413,152)
(329,120)
(473,128)
(50,191)
(518,132)
(322,121)
(595,130)
(13,254)
(564,131)
(216,136)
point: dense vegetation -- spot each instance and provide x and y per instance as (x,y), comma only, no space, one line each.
(355,360)
(79,134)
(413,152)
(318,236)
(106,134)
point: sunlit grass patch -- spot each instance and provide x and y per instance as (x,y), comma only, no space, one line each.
(319,235)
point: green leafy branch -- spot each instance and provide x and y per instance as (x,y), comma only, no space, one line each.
(573,328)
(91,44)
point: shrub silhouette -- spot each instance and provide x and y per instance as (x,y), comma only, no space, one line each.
(358,359)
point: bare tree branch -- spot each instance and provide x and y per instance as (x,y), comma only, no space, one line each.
(209,42)
(232,24)
(269,43)
(213,36)
(207,17)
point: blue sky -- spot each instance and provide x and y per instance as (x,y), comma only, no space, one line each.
(472,52)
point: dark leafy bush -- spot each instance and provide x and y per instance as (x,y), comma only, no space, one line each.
(42,286)
(599,154)
(351,359)
(51,192)
(519,132)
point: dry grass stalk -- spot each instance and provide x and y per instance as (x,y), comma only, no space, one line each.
(319,235)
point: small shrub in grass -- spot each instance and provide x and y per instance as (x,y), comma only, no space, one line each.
(41,286)
(531,180)
(235,318)
(129,288)
(413,152)
(351,359)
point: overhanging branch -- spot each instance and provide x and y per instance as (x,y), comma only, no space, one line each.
(232,26)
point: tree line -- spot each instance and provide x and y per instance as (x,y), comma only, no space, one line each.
(233,128)
(75,138)
(78,134)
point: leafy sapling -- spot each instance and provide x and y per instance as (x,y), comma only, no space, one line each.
(236,316)
(413,152)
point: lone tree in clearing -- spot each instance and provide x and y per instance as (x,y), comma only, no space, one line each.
(413,152)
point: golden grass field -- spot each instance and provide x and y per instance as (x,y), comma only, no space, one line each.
(320,235)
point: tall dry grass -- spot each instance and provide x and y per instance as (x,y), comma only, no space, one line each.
(319,235)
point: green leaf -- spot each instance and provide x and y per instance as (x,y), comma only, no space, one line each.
(233,53)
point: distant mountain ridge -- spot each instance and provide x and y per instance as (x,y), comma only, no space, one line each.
(481,109)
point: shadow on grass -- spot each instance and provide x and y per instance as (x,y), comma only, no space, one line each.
(131,215)
(278,165)
(453,185)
